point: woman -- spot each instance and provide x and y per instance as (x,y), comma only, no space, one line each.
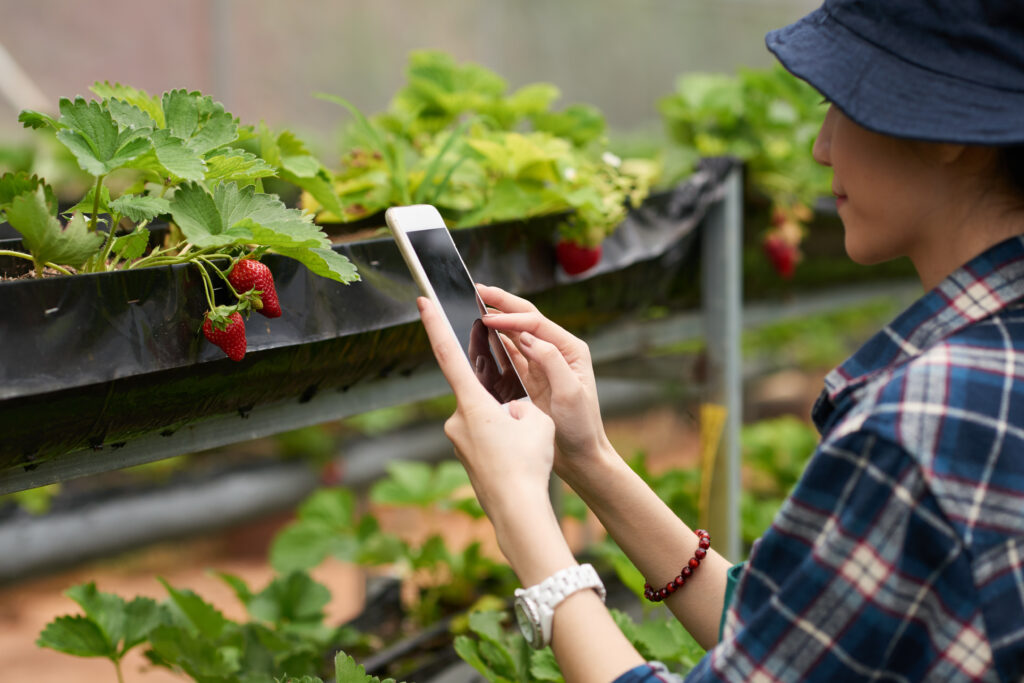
(900,554)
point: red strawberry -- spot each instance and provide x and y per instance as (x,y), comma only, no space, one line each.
(782,254)
(576,258)
(227,332)
(251,274)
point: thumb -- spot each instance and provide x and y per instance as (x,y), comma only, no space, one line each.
(527,412)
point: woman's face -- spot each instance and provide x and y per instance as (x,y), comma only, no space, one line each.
(885,188)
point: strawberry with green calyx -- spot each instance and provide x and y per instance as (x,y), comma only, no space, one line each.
(249,274)
(225,328)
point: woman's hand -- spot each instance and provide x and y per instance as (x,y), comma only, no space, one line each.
(508,453)
(556,368)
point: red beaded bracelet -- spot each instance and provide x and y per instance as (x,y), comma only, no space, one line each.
(675,584)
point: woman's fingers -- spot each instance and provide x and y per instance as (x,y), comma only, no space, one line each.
(555,368)
(540,327)
(450,357)
(498,298)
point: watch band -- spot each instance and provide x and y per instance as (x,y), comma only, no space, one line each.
(545,596)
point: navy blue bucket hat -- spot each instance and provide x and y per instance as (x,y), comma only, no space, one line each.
(939,70)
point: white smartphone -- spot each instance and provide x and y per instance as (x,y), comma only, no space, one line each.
(442,276)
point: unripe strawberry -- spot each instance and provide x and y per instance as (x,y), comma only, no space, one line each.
(576,258)
(251,274)
(228,333)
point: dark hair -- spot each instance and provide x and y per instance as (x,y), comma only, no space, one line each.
(1011,161)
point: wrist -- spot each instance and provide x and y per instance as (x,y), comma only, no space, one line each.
(595,474)
(531,539)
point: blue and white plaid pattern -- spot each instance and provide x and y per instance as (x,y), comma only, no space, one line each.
(899,556)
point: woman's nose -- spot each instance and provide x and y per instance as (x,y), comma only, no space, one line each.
(822,151)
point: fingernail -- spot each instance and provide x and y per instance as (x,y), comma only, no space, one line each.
(421,303)
(479,364)
(526,338)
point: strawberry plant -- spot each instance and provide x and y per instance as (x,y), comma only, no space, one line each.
(179,158)
(443,579)
(285,635)
(453,136)
(769,119)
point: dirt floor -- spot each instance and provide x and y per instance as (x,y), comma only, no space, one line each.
(669,437)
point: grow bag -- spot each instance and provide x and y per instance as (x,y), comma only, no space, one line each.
(95,360)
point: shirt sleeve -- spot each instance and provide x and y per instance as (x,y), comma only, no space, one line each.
(860,575)
(732,579)
(651,672)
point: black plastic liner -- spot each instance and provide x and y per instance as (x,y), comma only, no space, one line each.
(95,360)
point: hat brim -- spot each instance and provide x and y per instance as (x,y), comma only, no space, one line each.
(887,94)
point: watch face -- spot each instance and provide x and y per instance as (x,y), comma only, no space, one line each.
(527,622)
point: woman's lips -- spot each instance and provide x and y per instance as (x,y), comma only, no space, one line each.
(840,200)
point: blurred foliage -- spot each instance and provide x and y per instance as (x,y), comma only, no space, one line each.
(285,633)
(819,341)
(455,137)
(767,117)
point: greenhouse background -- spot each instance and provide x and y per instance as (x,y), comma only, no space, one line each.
(264,59)
(360,534)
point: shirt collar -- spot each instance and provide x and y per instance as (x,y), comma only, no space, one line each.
(983,286)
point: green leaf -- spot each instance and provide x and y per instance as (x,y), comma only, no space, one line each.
(489,625)
(238,585)
(469,650)
(14,184)
(417,483)
(133,96)
(37,120)
(292,598)
(131,246)
(232,164)
(197,120)
(96,140)
(128,115)
(78,636)
(320,187)
(233,215)
(579,123)
(334,507)
(89,201)
(140,208)
(194,654)
(106,610)
(295,158)
(306,545)
(141,616)
(346,670)
(177,157)
(544,666)
(43,236)
(207,621)
(324,262)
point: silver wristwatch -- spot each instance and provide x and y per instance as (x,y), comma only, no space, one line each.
(535,606)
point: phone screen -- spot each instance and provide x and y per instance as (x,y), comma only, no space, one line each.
(461,304)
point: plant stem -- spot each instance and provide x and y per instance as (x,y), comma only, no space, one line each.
(96,205)
(206,259)
(38,267)
(207,284)
(117,668)
(101,262)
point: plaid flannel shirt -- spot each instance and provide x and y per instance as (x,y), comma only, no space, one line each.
(899,556)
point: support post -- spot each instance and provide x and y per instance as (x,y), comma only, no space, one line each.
(722,295)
